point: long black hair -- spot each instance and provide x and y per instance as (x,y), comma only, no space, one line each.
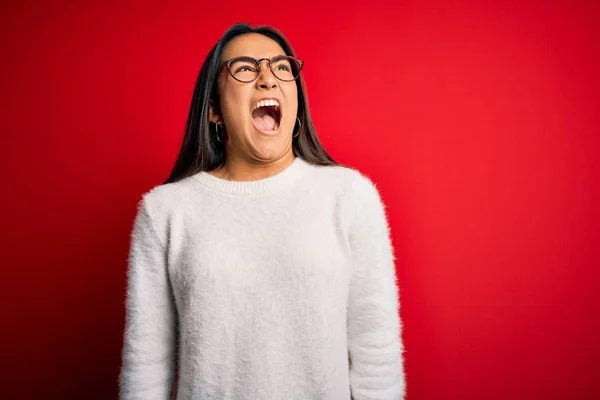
(200,151)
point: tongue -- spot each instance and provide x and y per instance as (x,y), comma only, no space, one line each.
(264,119)
(266,122)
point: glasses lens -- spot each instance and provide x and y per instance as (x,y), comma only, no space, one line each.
(244,69)
(285,68)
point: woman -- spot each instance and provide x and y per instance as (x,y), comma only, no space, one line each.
(261,268)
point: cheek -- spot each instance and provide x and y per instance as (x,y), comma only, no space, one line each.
(234,103)
(291,96)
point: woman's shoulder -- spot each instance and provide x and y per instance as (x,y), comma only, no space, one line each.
(349,179)
(161,199)
(353,190)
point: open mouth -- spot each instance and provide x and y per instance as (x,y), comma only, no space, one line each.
(266,115)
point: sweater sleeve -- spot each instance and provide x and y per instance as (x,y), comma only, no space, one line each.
(374,326)
(149,345)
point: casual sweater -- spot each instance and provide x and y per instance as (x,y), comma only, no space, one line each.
(281,288)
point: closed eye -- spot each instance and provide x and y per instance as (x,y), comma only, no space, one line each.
(245,69)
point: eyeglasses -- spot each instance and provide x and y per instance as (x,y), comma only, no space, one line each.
(247,69)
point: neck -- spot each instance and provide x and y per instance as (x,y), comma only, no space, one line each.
(237,169)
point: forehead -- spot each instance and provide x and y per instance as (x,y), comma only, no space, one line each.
(252,45)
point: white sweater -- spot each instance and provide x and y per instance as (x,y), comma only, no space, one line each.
(282,288)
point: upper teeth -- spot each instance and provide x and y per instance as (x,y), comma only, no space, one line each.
(265,103)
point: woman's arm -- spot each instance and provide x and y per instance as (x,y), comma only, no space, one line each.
(374,326)
(149,346)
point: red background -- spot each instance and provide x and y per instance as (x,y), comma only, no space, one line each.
(479,122)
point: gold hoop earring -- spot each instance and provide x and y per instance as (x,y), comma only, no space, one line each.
(299,128)
(219,139)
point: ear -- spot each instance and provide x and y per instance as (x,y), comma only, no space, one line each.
(213,112)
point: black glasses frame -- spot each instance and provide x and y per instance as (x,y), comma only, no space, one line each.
(258,63)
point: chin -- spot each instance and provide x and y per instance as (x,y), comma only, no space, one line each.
(270,149)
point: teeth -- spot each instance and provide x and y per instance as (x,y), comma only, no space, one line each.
(265,103)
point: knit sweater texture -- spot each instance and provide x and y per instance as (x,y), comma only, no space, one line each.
(282,288)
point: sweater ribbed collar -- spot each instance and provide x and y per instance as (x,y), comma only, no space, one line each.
(265,185)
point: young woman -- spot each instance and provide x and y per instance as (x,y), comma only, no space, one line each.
(260,269)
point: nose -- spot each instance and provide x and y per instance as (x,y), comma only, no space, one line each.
(266,80)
